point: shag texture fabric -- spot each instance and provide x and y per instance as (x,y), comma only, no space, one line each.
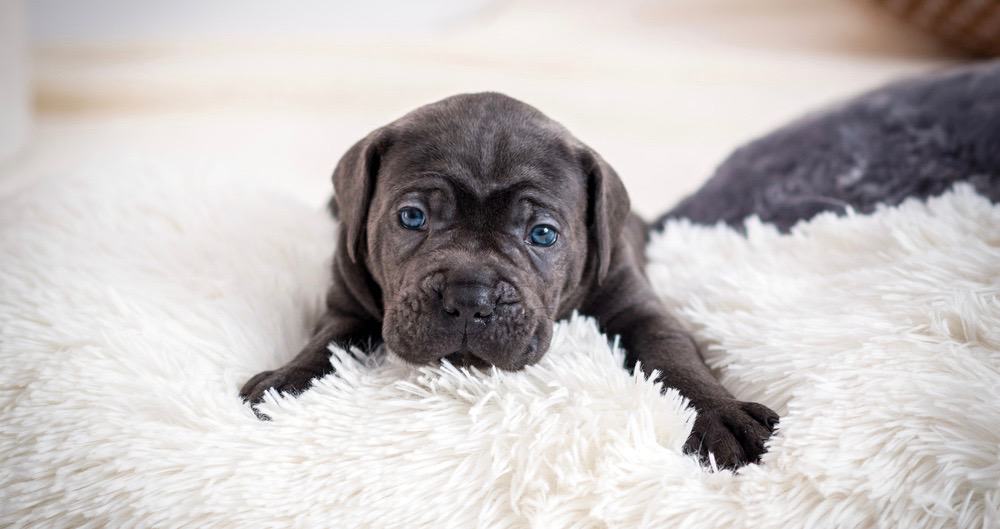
(134,305)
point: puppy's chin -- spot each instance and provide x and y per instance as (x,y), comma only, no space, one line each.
(510,343)
(513,360)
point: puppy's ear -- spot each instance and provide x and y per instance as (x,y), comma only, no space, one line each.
(607,209)
(353,185)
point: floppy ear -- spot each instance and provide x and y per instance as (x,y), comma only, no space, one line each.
(607,209)
(353,185)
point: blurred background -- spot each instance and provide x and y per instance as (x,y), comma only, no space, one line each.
(277,91)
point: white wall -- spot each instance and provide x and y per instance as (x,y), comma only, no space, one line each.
(15,98)
(54,21)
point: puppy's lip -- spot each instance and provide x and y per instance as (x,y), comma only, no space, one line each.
(532,345)
(532,354)
(467,358)
(529,356)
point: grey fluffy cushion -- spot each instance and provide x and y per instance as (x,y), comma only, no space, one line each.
(913,138)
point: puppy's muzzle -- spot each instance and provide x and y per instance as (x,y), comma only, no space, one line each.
(471,314)
(471,304)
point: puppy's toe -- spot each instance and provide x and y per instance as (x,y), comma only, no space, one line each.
(762,414)
(749,433)
(248,391)
(290,380)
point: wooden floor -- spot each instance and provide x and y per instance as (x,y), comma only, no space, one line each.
(663,89)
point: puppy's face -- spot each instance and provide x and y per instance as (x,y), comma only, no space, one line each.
(478,231)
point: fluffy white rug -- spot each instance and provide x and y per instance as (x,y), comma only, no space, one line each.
(134,305)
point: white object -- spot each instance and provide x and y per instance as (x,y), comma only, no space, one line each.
(136,302)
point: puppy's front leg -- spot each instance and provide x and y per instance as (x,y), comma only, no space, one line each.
(733,431)
(314,359)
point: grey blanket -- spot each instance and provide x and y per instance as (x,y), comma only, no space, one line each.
(912,138)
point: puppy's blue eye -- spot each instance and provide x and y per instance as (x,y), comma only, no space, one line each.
(412,218)
(543,235)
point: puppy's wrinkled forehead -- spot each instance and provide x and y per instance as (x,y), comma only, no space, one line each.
(484,143)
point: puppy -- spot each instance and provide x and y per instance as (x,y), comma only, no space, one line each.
(469,226)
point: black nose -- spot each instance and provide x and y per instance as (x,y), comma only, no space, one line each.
(469,301)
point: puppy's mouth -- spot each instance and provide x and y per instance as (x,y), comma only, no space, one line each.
(467,358)
(467,326)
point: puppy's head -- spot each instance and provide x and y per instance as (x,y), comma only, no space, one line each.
(481,221)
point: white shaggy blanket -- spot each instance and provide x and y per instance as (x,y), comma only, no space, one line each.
(133,306)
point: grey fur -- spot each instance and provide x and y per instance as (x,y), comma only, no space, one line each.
(911,138)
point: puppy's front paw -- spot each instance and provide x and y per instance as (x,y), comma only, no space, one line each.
(732,430)
(288,379)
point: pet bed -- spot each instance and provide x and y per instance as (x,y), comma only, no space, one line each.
(135,302)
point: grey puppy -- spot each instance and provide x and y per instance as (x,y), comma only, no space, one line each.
(468,227)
